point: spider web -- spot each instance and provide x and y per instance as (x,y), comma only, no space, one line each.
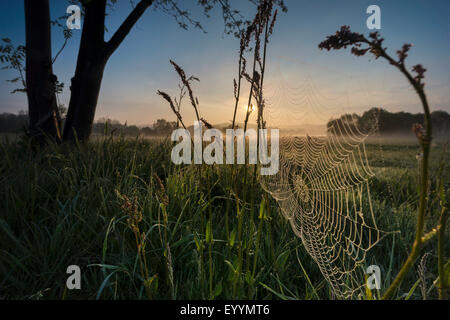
(322,188)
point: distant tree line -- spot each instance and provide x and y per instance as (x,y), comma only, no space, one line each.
(391,123)
(14,123)
(160,127)
(387,123)
(18,123)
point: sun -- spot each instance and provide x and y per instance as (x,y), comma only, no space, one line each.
(250,108)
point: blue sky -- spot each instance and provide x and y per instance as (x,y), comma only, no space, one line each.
(304,85)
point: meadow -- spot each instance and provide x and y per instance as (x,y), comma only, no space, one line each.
(141,228)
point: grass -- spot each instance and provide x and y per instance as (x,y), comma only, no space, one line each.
(141,228)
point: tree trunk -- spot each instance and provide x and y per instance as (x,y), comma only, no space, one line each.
(40,80)
(85,90)
(88,77)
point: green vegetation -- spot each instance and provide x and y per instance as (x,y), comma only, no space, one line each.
(142,228)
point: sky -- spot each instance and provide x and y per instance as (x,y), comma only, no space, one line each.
(304,86)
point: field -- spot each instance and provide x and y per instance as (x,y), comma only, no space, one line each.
(141,228)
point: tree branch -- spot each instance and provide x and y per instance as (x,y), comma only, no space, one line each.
(127,25)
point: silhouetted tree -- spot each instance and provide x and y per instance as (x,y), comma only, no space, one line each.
(40,80)
(391,123)
(163,127)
